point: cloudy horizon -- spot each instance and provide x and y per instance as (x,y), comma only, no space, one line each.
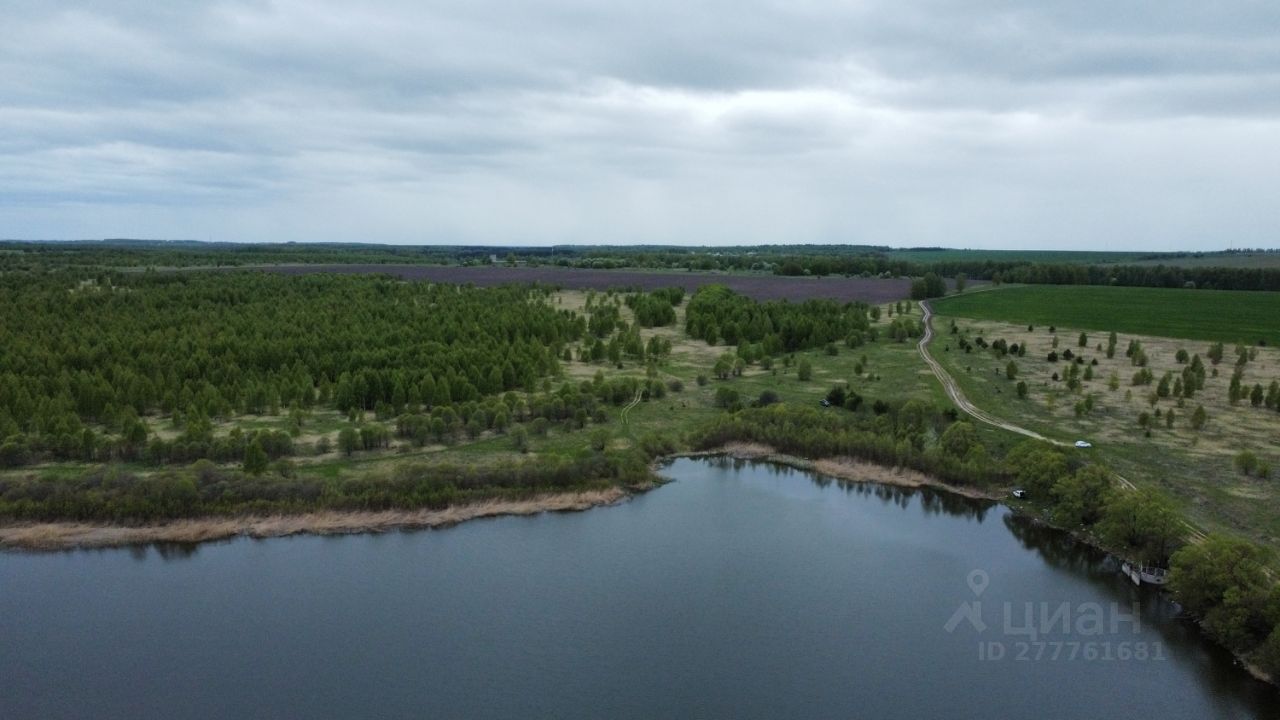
(1057,125)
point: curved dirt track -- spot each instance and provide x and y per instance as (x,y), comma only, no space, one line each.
(954,392)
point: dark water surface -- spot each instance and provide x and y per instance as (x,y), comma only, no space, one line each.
(739,591)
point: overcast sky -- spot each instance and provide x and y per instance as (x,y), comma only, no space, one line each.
(1072,124)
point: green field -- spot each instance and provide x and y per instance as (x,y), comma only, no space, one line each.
(1216,259)
(1081,257)
(1228,316)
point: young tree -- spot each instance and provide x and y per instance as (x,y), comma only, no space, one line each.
(1215,353)
(959,439)
(804,371)
(1142,523)
(348,440)
(255,458)
(1246,462)
(1083,341)
(520,439)
(599,439)
(726,397)
(1022,389)
(1080,497)
(1199,418)
(1011,370)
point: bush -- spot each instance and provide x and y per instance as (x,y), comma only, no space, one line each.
(726,397)
(599,439)
(767,397)
(804,371)
(1246,462)
(520,439)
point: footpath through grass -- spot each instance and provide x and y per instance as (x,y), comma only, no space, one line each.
(1226,315)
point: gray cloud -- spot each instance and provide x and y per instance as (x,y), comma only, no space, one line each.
(1055,124)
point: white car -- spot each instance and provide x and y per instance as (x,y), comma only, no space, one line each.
(1082,444)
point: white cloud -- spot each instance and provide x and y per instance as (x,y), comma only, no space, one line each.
(978,124)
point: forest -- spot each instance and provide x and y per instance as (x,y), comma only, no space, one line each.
(1041,268)
(93,358)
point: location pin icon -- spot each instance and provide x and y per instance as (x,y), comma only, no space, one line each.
(978,582)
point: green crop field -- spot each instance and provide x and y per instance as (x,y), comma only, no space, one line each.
(1083,257)
(1228,316)
(1218,259)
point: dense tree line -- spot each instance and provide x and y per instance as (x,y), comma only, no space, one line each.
(1225,583)
(815,260)
(914,434)
(928,286)
(655,308)
(114,494)
(26,256)
(718,315)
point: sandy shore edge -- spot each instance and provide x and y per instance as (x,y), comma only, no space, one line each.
(66,535)
(844,468)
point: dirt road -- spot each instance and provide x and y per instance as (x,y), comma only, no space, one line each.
(957,396)
(954,392)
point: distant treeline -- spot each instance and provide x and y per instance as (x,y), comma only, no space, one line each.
(1049,267)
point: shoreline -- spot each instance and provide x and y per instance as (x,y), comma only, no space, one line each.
(842,468)
(65,535)
(53,536)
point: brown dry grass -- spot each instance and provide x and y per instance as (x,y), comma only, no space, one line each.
(1231,427)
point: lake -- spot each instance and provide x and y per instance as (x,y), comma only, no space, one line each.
(738,591)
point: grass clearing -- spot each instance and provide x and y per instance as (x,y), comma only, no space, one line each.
(1194,466)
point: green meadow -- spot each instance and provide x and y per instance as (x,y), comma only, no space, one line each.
(1217,315)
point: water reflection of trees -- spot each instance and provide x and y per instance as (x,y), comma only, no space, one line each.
(1062,551)
(932,502)
(1055,547)
(166,550)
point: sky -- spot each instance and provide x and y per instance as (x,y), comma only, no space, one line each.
(987,124)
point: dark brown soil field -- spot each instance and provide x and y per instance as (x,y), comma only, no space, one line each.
(760,287)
